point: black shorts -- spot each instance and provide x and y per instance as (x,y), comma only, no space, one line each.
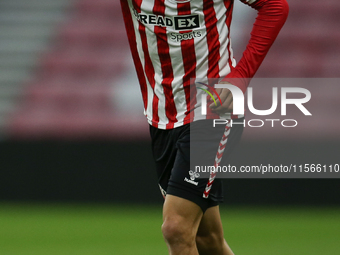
(174,159)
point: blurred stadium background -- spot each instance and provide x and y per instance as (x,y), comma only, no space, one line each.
(74,143)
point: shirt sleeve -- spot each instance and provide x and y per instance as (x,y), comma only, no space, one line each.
(271,16)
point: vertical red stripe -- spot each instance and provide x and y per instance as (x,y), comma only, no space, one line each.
(229,5)
(212,38)
(133,45)
(189,62)
(149,69)
(166,65)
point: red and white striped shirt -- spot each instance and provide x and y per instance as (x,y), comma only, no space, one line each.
(174,41)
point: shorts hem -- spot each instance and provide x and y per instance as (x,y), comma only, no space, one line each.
(203,203)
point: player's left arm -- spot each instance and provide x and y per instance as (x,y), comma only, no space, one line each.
(271,16)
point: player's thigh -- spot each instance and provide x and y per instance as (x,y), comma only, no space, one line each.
(211,224)
(210,239)
(181,216)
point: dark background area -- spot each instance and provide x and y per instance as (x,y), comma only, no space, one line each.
(124,172)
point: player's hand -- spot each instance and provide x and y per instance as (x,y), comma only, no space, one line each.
(226,98)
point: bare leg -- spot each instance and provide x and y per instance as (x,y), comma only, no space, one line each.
(181,219)
(210,238)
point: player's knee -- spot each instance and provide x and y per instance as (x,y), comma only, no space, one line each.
(210,242)
(175,232)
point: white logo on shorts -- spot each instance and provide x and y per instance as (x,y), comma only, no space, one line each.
(193,176)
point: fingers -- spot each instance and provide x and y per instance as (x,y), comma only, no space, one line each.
(227,101)
(227,106)
(215,97)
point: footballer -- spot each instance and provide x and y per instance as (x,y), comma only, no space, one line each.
(174,42)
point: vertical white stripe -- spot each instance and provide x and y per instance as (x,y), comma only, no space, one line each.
(223,32)
(202,55)
(176,56)
(202,67)
(201,45)
(153,51)
(148,111)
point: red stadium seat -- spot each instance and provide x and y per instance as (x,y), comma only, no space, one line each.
(94,32)
(308,43)
(103,7)
(107,61)
(72,92)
